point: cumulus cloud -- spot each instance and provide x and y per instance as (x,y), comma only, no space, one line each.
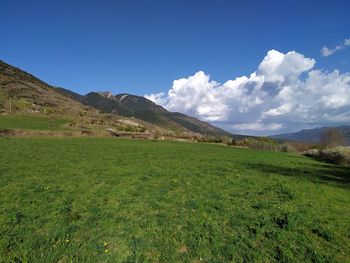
(285,93)
(158,98)
(326,52)
(279,67)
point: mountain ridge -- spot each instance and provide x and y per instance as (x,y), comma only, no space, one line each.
(312,135)
(129,105)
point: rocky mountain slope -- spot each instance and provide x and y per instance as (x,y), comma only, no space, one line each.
(141,108)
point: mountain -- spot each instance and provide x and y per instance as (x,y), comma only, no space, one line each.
(141,108)
(312,135)
(23,93)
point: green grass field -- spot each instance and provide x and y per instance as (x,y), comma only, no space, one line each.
(115,200)
(32,123)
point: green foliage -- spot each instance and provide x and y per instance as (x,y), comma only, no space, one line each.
(337,155)
(213,139)
(22,104)
(3,98)
(288,147)
(31,122)
(118,200)
(48,110)
(231,142)
(131,128)
(260,143)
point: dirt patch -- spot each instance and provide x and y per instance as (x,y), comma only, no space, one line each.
(182,250)
(87,132)
(7,133)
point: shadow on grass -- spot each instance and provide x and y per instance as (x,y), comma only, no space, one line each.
(318,172)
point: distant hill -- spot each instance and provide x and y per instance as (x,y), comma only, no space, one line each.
(311,135)
(139,107)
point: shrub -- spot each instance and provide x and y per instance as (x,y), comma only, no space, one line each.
(131,128)
(337,155)
(313,153)
(286,147)
(22,104)
(262,144)
(3,98)
(48,110)
(231,142)
(299,146)
(156,135)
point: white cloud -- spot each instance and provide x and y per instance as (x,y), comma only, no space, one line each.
(283,109)
(347,42)
(157,98)
(326,52)
(276,66)
(258,126)
(284,93)
(195,95)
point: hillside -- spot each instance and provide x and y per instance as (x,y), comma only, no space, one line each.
(311,135)
(23,93)
(27,104)
(139,107)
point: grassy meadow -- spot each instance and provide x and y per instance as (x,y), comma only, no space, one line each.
(32,122)
(118,200)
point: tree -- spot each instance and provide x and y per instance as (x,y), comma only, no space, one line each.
(332,137)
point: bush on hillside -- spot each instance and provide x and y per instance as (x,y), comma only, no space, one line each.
(212,139)
(22,104)
(131,128)
(336,155)
(286,147)
(3,98)
(48,110)
(231,142)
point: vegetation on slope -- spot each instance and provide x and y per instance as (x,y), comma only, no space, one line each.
(32,122)
(136,106)
(22,93)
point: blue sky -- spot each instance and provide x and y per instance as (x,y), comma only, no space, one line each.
(141,47)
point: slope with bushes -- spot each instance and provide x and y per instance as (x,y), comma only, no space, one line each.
(139,107)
